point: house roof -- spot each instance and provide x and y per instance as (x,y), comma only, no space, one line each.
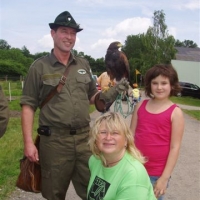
(188,54)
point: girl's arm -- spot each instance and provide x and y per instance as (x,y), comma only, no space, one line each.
(177,121)
(134,118)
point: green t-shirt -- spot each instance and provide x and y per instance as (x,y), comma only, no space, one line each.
(128,180)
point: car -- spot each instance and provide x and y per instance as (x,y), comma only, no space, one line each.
(189,89)
(97,85)
(95,77)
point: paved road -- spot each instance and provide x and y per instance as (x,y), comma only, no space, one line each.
(185,182)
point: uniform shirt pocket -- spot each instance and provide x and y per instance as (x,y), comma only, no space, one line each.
(83,79)
(51,79)
(49,82)
(82,86)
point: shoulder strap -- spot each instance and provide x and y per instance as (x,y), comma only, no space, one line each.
(57,88)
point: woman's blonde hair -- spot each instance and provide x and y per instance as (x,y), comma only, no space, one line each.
(113,121)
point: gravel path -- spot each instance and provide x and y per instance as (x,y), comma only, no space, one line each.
(185,180)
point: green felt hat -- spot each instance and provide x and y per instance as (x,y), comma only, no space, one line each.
(65,19)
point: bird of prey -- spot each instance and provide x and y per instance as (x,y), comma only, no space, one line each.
(116,62)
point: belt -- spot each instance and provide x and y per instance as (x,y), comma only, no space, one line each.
(71,130)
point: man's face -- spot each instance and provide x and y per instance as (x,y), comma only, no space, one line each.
(64,38)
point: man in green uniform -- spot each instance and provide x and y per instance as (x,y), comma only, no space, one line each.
(4,113)
(64,119)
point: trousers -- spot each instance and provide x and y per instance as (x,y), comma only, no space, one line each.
(64,158)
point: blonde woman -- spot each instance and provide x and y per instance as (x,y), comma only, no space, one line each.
(116,166)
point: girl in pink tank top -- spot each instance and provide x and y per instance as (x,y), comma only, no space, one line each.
(158,125)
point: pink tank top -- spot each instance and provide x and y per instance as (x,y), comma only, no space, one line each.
(153,136)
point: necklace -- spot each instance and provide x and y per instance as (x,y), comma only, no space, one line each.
(109,164)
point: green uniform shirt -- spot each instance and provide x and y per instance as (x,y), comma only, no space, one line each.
(69,108)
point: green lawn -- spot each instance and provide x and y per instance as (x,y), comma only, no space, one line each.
(190,102)
(186,101)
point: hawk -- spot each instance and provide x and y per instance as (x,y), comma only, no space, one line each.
(116,62)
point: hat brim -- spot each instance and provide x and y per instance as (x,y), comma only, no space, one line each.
(53,25)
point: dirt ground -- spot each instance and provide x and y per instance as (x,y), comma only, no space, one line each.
(185,180)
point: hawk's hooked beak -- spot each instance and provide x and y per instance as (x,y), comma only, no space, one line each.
(119,45)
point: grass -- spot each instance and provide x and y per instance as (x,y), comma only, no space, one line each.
(186,101)
(193,113)
(11,151)
(190,102)
(13,88)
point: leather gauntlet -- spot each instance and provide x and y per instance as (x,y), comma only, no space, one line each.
(104,100)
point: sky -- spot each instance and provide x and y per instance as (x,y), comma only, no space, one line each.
(26,22)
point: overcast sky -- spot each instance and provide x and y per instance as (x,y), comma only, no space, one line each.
(25,22)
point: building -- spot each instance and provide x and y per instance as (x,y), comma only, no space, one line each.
(187,64)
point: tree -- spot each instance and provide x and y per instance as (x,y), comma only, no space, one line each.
(159,45)
(39,55)
(186,43)
(9,67)
(159,28)
(75,52)
(14,62)
(97,66)
(133,48)
(4,45)
(153,47)
(26,52)
(81,54)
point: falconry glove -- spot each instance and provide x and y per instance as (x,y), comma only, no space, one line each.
(104,100)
